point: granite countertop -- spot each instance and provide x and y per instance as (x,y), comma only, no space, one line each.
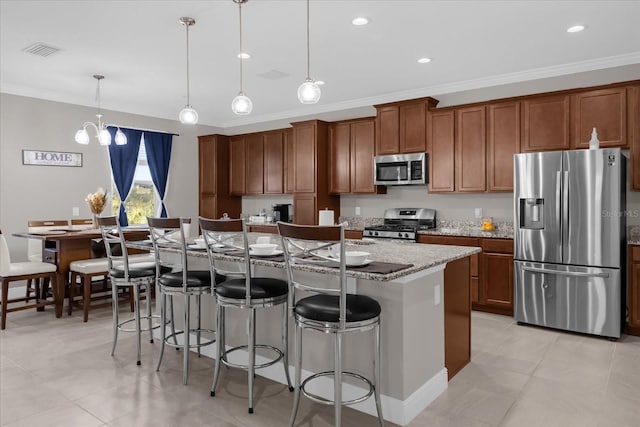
(421,256)
(473,231)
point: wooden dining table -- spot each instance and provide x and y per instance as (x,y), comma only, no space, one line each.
(63,246)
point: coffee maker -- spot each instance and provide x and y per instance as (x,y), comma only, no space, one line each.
(283,212)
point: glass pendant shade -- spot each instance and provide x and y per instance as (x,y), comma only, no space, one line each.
(82,137)
(104,137)
(121,138)
(309,92)
(241,104)
(188,116)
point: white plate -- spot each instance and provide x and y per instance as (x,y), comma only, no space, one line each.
(275,252)
(196,247)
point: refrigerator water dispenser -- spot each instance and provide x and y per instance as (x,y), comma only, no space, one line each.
(532,213)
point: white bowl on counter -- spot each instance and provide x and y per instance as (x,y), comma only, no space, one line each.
(263,248)
(356,257)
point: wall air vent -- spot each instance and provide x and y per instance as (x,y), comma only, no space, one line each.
(41,49)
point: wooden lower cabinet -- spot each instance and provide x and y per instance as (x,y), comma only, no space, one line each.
(457,316)
(633,290)
(353,234)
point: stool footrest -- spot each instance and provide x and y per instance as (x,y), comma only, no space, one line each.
(225,360)
(325,401)
(145,329)
(191,345)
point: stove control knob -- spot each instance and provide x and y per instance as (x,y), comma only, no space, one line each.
(406,235)
(375,233)
(399,234)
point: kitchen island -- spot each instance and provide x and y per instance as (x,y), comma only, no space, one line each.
(415,302)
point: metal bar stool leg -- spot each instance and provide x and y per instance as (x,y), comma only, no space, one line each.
(285,344)
(376,373)
(252,355)
(337,379)
(114,307)
(199,299)
(173,323)
(298,374)
(147,290)
(187,326)
(136,308)
(163,326)
(219,350)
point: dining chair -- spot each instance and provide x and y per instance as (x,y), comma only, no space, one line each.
(329,310)
(34,249)
(124,273)
(176,279)
(247,292)
(20,271)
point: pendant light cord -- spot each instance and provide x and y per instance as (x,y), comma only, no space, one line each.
(98,97)
(188,101)
(241,51)
(308,44)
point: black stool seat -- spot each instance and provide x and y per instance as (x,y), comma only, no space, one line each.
(326,308)
(135,270)
(261,287)
(195,279)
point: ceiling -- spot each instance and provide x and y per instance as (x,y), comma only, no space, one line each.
(140,47)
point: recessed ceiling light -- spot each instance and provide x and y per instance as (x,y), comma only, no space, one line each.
(575,29)
(244,55)
(424,60)
(319,82)
(360,20)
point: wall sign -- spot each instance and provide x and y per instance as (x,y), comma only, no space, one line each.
(51,158)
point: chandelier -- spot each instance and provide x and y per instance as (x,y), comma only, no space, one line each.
(103,135)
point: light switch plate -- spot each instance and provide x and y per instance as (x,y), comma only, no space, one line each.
(75,211)
(357,210)
(478,212)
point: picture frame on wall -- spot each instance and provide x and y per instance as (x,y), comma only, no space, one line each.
(51,158)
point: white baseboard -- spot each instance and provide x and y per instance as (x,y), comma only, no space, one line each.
(394,410)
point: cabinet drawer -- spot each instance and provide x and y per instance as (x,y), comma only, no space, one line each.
(501,246)
(635,253)
(50,256)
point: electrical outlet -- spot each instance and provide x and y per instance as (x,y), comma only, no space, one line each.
(75,211)
(436,295)
(478,212)
(357,210)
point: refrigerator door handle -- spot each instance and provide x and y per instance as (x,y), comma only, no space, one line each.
(565,273)
(558,205)
(565,216)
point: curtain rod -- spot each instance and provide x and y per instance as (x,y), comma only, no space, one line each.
(143,130)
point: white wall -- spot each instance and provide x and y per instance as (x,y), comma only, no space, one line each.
(50,192)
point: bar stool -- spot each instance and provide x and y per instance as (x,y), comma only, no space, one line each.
(19,271)
(247,293)
(330,311)
(122,273)
(169,234)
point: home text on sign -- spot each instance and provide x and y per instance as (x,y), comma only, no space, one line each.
(51,158)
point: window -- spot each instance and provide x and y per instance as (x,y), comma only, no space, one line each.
(142,200)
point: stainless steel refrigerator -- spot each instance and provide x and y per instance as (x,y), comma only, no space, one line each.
(570,232)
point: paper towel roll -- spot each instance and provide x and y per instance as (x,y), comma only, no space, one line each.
(325,217)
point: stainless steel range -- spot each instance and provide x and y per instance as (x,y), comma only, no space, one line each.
(403,223)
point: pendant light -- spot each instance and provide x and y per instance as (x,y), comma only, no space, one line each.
(309,91)
(188,115)
(241,104)
(103,135)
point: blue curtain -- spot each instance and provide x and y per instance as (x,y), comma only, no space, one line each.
(124,159)
(158,146)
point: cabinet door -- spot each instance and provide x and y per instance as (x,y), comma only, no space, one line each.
(207,166)
(634,300)
(304,209)
(503,141)
(304,154)
(497,280)
(254,167)
(413,128)
(236,165)
(273,163)
(388,132)
(633,114)
(339,158)
(471,169)
(362,153)
(475,282)
(289,168)
(440,148)
(605,110)
(545,123)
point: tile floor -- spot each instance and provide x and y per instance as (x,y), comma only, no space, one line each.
(58,372)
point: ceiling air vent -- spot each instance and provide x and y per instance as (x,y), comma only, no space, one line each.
(41,49)
(273,75)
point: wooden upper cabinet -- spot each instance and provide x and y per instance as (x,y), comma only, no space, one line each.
(362,153)
(213,171)
(413,128)
(274,162)
(440,149)
(340,158)
(470,149)
(633,114)
(503,141)
(304,157)
(237,165)
(605,110)
(207,165)
(289,165)
(388,130)
(254,163)
(546,123)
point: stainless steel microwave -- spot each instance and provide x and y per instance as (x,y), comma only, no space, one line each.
(400,169)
